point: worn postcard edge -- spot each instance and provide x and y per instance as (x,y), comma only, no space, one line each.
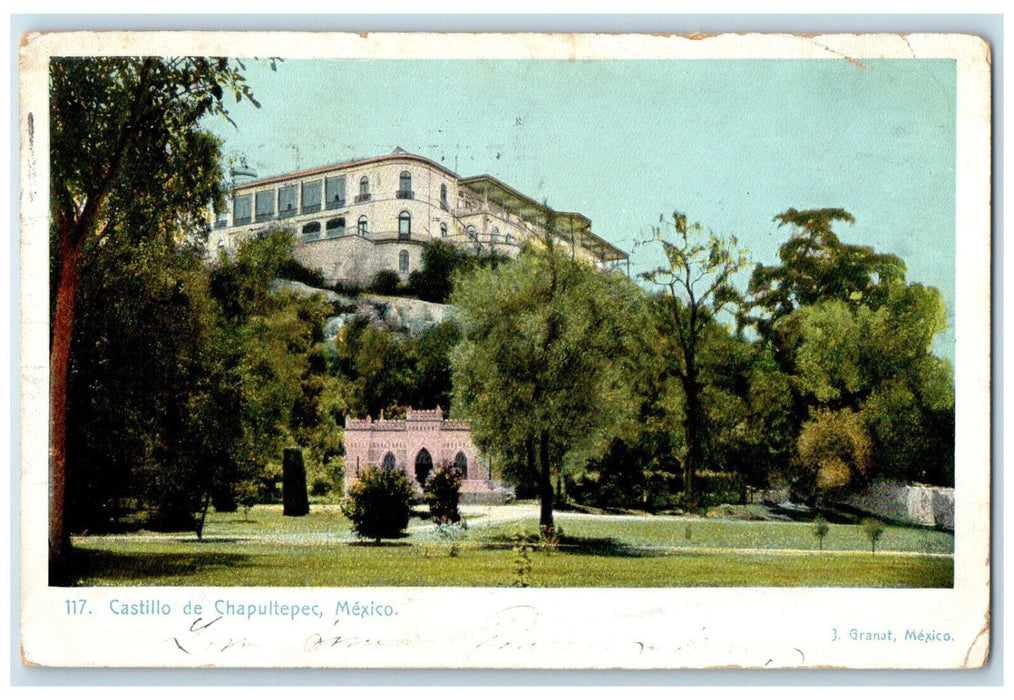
(714,628)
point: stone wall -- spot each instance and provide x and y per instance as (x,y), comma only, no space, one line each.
(915,504)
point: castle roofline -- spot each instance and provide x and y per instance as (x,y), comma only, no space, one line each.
(399,154)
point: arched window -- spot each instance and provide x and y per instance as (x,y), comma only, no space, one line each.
(364,189)
(389,462)
(405,185)
(404,225)
(423,466)
(495,236)
(443,196)
(403,261)
(336,227)
(471,232)
(443,230)
(363,228)
(461,465)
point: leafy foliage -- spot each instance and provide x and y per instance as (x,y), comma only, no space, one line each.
(816,266)
(379,503)
(834,451)
(129,162)
(697,284)
(544,369)
(386,282)
(443,491)
(874,530)
(820,530)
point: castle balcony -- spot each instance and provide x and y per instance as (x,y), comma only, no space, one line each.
(405,194)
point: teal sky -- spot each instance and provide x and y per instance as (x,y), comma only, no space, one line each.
(731,143)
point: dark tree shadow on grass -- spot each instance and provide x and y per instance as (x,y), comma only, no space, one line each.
(126,569)
(597,546)
(382,543)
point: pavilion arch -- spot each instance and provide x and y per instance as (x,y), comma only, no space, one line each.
(423,466)
(461,464)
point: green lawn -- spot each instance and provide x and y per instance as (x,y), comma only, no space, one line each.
(319,550)
(747,534)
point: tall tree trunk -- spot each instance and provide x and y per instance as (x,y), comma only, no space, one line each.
(692,428)
(59,366)
(545,484)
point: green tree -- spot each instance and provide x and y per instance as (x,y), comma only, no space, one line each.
(820,530)
(834,452)
(280,365)
(128,159)
(151,411)
(443,491)
(439,263)
(815,266)
(874,530)
(544,370)
(697,284)
(379,503)
(852,334)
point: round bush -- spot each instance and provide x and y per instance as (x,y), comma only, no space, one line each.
(443,491)
(379,504)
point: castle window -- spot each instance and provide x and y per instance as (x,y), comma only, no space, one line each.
(336,227)
(389,462)
(403,261)
(287,201)
(471,233)
(242,210)
(495,236)
(443,230)
(461,465)
(265,202)
(311,231)
(334,192)
(404,225)
(364,189)
(311,197)
(423,466)
(405,186)
(363,228)
(443,196)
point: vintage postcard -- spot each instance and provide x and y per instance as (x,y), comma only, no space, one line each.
(520,351)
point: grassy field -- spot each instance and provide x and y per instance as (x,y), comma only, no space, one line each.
(320,550)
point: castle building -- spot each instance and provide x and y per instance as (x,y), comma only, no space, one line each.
(354,219)
(416,446)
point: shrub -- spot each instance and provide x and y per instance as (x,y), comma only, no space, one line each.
(386,282)
(443,491)
(834,450)
(247,496)
(379,503)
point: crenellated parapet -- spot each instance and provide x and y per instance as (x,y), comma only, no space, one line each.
(416,445)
